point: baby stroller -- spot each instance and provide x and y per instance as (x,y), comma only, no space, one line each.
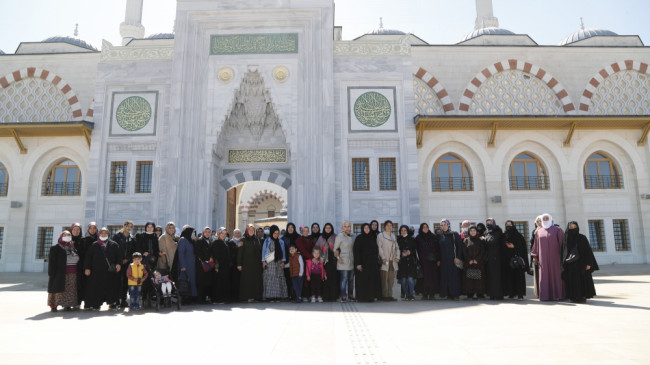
(154,296)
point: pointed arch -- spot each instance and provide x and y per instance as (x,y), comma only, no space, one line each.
(437,87)
(513,64)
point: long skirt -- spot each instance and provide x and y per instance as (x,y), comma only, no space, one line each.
(67,298)
(275,285)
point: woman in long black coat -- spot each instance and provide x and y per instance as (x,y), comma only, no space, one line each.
(451,253)
(366,259)
(62,271)
(515,278)
(147,244)
(82,248)
(429,254)
(408,262)
(102,285)
(220,253)
(578,282)
(202,254)
(494,263)
(474,260)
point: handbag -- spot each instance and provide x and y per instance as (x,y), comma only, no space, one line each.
(517,263)
(207,266)
(573,256)
(112,268)
(473,273)
(183,285)
(459,264)
(270,257)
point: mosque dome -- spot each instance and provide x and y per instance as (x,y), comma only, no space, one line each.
(585,34)
(161,36)
(70,40)
(486,31)
(384,31)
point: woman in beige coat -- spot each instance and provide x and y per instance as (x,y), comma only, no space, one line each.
(389,254)
(168,244)
(345,261)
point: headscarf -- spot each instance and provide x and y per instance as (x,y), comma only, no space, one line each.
(549,223)
(150,224)
(76,224)
(570,235)
(187,232)
(276,243)
(61,242)
(92,224)
(103,243)
(421,231)
(448,225)
(494,224)
(481,229)
(292,236)
(315,236)
(376,232)
(399,231)
(363,231)
(326,235)
(246,231)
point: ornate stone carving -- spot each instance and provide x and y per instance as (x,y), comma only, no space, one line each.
(426,100)
(113,53)
(360,48)
(267,155)
(133,113)
(280,74)
(225,75)
(33,100)
(252,107)
(118,147)
(623,93)
(372,109)
(230,44)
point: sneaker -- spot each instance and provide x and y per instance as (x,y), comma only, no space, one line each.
(313,299)
(320,300)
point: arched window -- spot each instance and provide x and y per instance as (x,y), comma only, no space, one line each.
(527,173)
(601,172)
(4,180)
(450,173)
(64,178)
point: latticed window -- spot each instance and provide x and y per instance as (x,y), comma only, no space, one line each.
(527,173)
(387,174)
(113,230)
(360,174)
(4,180)
(2,239)
(450,173)
(64,178)
(356,228)
(601,172)
(143,177)
(621,235)
(118,177)
(597,235)
(44,240)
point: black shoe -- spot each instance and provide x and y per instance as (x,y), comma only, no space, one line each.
(53,310)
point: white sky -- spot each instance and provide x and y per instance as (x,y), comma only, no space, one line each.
(435,21)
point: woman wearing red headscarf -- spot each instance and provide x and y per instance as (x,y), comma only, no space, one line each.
(62,270)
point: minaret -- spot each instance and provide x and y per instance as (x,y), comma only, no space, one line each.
(132,27)
(485,15)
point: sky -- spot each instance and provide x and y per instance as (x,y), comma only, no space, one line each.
(435,21)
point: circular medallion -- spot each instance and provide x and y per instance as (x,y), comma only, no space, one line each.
(372,109)
(133,113)
(225,75)
(281,74)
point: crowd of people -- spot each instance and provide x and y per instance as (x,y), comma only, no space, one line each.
(310,265)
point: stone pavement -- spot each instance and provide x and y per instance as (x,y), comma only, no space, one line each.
(611,329)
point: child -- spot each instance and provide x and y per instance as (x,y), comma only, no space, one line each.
(136,274)
(315,275)
(296,270)
(165,285)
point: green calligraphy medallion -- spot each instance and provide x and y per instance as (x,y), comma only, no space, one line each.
(133,113)
(372,109)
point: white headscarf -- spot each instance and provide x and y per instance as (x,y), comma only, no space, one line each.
(547,224)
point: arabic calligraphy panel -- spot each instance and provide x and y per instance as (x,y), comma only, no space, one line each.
(133,113)
(231,44)
(372,109)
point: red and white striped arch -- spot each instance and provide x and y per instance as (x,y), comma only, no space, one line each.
(46,75)
(437,87)
(512,64)
(600,76)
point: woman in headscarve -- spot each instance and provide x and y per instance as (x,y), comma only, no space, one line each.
(273,260)
(578,263)
(374,227)
(186,261)
(82,247)
(233,244)
(220,253)
(102,267)
(249,256)
(429,254)
(535,273)
(343,249)
(547,253)
(451,254)
(315,232)
(331,286)
(474,259)
(77,238)
(494,264)
(366,255)
(289,239)
(408,263)
(515,277)
(62,270)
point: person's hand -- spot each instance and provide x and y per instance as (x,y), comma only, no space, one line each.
(535,261)
(510,245)
(404,254)
(118,267)
(438,263)
(385,262)
(182,269)
(396,260)
(161,254)
(124,261)
(359,267)
(308,278)
(325,278)
(456,261)
(145,254)
(87,272)
(216,269)
(139,281)
(239,244)
(282,265)
(341,261)
(264,265)
(588,267)
(239,268)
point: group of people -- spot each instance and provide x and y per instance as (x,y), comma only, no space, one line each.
(310,265)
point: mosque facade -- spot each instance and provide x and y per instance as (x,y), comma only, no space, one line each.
(167,127)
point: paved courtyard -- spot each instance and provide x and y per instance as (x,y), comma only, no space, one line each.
(611,329)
